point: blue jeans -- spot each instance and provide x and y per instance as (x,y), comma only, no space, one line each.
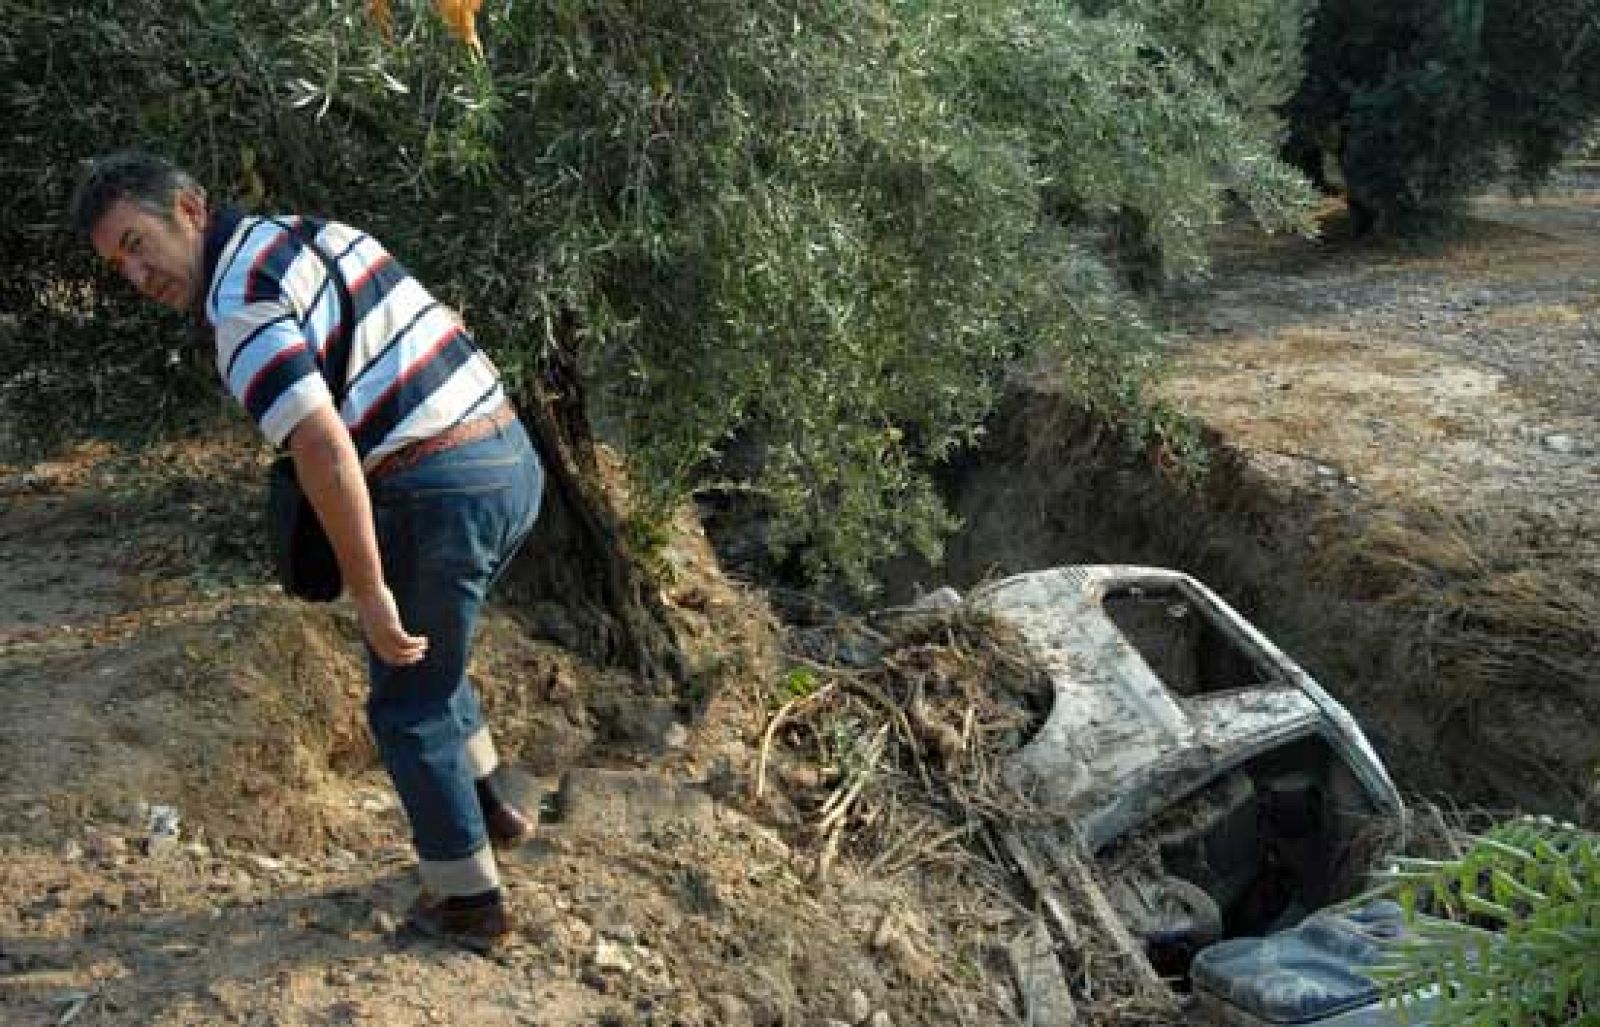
(447,527)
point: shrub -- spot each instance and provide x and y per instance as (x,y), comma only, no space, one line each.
(1512,932)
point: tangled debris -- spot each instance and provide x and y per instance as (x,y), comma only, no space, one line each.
(890,747)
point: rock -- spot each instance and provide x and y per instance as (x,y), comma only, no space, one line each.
(860,1007)
(732,1011)
(610,956)
(676,737)
(1560,443)
(162,820)
(579,931)
(638,720)
(615,802)
(881,1019)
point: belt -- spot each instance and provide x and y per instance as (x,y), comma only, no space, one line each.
(413,453)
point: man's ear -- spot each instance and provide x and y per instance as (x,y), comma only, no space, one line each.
(190,205)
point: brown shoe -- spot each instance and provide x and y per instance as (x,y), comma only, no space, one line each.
(481,927)
(508,826)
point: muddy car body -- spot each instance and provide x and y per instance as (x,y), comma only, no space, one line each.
(1222,793)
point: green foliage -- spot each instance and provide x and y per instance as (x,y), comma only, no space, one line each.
(1147,116)
(1430,99)
(1542,63)
(1511,931)
(75,81)
(800,682)
(816,234)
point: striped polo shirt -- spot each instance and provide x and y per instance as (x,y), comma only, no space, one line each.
(413,372)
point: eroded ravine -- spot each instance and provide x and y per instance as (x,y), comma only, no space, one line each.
(1404,488)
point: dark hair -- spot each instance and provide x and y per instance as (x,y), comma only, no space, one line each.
(143,178)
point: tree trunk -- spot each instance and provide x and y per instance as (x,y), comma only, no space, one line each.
(576,574)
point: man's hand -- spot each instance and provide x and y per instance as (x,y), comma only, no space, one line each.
(330,472)
(380,623)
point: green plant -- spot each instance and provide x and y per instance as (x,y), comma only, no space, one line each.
(1508,932)
(800,682)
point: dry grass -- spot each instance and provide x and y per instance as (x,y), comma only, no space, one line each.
(1537,315)
(1499,614)
(1506,600)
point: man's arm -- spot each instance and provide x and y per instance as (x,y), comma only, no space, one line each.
(329,470)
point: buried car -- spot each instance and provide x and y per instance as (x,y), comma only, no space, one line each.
(1224,796)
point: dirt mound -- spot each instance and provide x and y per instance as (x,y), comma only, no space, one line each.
(195,831)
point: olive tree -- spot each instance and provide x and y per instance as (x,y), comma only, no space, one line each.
(792,250)
(1424,101)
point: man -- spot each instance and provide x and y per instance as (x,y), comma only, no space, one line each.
(421,474)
